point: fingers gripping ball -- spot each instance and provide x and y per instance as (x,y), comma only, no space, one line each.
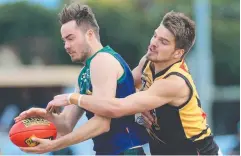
(22,131)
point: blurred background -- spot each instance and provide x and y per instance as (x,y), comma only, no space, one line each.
(34,66)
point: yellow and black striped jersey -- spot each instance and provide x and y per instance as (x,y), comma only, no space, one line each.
(187,121)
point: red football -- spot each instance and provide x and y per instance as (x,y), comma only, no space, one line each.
(22,131)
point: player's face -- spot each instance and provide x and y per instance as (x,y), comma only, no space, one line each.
(75,42)
(162,45)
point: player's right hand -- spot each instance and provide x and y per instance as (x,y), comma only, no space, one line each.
(58,102)
(33,112)
(148,118)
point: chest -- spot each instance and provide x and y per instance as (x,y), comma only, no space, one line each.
(147,79)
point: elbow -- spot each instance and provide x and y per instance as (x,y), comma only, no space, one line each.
(106,128)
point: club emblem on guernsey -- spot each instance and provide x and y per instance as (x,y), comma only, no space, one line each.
(85,82)
(146,82)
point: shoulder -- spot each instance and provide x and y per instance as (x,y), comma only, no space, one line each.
(142,62)
(105,63)
(104,59)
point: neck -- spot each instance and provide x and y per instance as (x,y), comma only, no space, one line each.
(94,48)
(163,65)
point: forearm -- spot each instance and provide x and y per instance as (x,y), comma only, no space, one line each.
(102,106)
(115,108)
(63,127)
(109,107)
(72,114)
(66,120)
(92,128)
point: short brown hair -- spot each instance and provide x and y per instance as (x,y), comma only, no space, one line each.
(82,14)
(182,27)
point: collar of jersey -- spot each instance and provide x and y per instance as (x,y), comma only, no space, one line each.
(87,63)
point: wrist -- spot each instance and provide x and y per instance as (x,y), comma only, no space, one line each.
(56,144)
(62,142)
(75,98)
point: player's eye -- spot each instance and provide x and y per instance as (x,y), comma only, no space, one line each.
(164,42)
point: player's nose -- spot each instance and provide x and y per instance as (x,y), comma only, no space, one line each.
(66,46)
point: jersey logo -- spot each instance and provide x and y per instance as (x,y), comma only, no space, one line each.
(85,83)
(146,81)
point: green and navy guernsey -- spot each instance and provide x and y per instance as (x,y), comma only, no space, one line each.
(124,132)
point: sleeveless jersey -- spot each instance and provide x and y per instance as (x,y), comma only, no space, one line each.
(124,132)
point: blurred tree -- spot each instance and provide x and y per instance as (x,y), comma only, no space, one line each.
(32,29)
(126,25)
(226,41)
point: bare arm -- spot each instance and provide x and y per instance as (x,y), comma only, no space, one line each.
(104,81)
(172,90)
(94,127)
(137,72)
(64,122)
(71,114)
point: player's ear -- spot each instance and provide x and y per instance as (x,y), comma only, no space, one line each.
(178,53)
(89,35)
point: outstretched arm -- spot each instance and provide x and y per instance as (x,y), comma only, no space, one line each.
(104,81)
(160,93)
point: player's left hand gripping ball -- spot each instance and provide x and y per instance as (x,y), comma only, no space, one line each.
(43,146)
